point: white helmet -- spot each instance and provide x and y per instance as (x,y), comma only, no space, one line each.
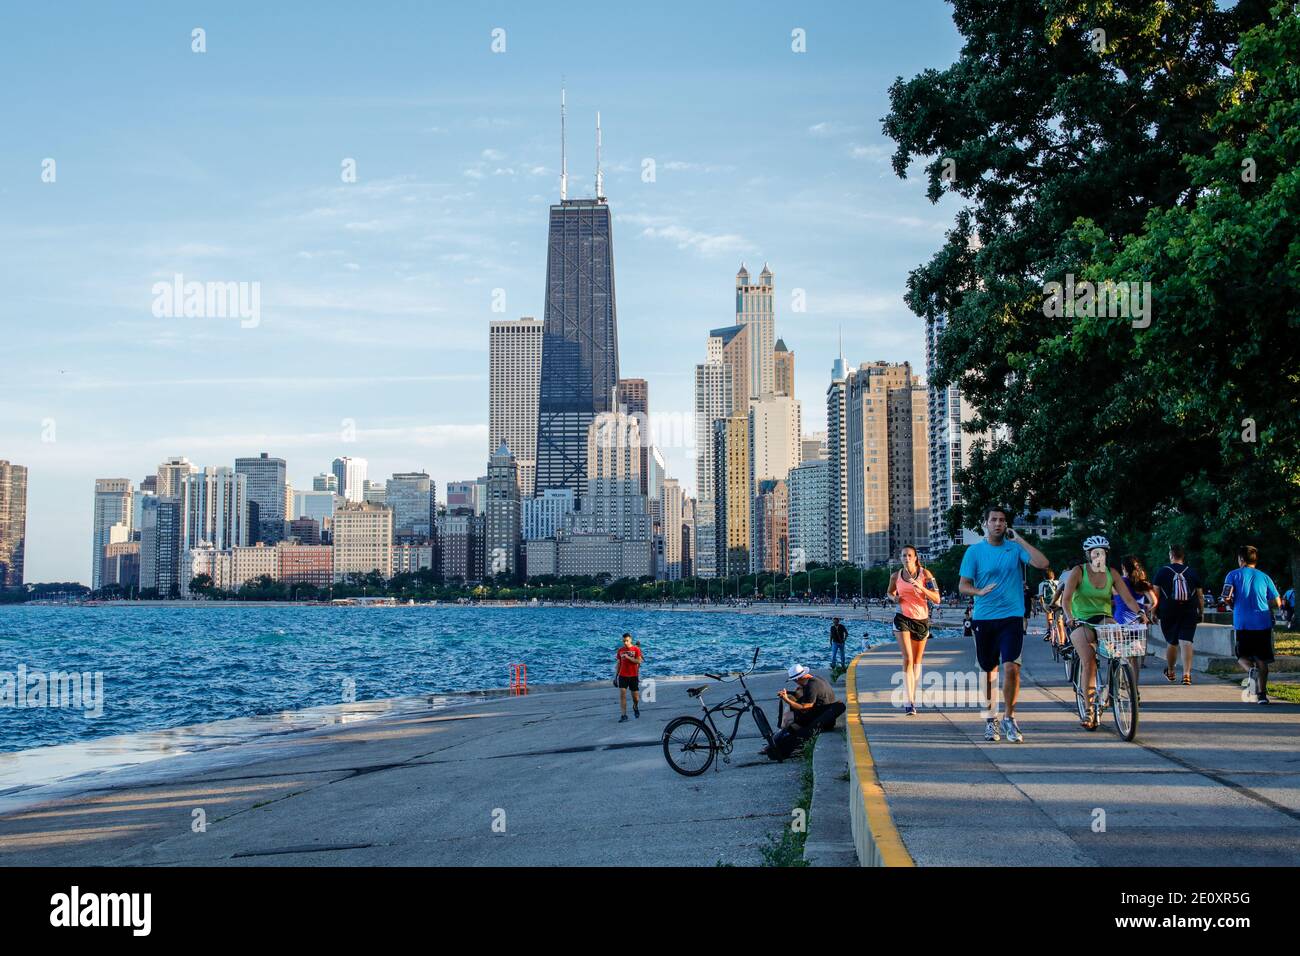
(1096,541)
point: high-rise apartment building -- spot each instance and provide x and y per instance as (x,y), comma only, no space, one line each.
(13,523)
(732,494)
(888,476)
(771,524)
(170,474)
(814,447)
(837,455)
(713,401)
(754,310)
(112,506)
(363,540)
(730,347)
(160,546)
(775,430)
(501,541)
(950,444)
(214,510)
(350,473)
(634,399)
(325,483)
(672,504)
(266,483)
(514,377)
(809,509)
(465,494)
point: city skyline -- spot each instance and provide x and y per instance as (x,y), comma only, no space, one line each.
(395,355)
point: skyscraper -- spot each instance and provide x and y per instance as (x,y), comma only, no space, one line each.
(949,444)
(775,430)
(351,476)
(214,511)
(170,474)
(732,494)
(888,481)
(730,347)
(363,540)
(671,504)
(514,374)
(754,309)
(112,506)
(634,398)
(502,528)
(580,338)
(809,505)
(837,455)
(266,481)
(771,524)
(13,523)
(412,498)
(160,564)
(783,369)
(713,400)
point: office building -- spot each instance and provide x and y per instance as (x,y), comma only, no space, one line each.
(350,474)
(214,509)
(501,528)
(783,369)
(325,483)
(713,401)
(730,347)
(809,513)
(771,551)
(265,482)
(542,517)
(731,494)
(460,545)
(170,474)
(814,447)
(412,497)
(754,310)
(775,427)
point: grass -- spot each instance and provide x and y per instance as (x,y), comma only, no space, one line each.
(836,671)
(787,849)
(1286,643)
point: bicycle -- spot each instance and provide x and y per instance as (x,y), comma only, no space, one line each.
(691,744)
(1117,644)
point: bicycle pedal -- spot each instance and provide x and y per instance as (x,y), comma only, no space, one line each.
(726,760)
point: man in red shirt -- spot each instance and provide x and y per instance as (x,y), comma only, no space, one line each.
(630,659)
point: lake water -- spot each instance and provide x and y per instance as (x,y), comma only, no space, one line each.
(168,667)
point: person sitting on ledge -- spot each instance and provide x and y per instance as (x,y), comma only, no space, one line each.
(813,707)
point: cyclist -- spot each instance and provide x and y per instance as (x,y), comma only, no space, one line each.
(1088,600)
(915,589)
(1144,592)
(1047,591)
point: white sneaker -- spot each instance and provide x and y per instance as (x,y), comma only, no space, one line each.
(991,730)
(1011,730)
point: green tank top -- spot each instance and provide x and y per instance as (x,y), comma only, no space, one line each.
(1090,601)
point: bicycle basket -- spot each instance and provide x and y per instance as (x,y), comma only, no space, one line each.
(1122,640)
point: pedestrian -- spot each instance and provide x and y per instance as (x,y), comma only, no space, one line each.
(1181,607)
(1144,593)
(992,572)
(627,676)
(1047,591)
(967,626)
(915,588)
(839,634)
(1253,595)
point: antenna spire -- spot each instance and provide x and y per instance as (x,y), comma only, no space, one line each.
(600,183)
(564,161)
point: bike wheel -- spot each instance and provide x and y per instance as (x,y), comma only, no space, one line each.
(1124,704)
(1067,658)
(689,746)
(1075,667)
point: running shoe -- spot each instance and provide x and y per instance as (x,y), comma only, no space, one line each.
(623,719)
(1011,730)
(637,712)
(910,710)
(991,730)
(1263,699)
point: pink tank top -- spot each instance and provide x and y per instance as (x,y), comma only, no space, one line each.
(911,600)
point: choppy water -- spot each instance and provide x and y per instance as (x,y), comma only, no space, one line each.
(167,667)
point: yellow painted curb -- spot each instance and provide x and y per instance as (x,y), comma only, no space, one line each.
(877,839)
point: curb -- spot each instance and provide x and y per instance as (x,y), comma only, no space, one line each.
(830,827)
(877,840)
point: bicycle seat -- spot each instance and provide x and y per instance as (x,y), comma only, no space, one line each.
(697,691)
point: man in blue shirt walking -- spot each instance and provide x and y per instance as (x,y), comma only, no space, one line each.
(1253,595)
(992,571)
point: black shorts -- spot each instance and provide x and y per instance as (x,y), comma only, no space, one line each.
(1178,629)
(999,639)
(1256,645)
(631,683)
(919,630)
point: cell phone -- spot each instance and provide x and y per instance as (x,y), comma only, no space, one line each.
(1011,534)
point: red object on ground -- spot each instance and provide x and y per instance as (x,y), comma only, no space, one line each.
(518,679)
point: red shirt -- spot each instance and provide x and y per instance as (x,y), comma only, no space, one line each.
(629,661)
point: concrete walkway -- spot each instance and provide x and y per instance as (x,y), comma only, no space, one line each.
(1209,780)
(551,779)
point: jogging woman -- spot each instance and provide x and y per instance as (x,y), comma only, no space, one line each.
(914,588)
(1090,591)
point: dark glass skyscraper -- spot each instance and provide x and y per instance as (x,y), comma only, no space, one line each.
(579,341)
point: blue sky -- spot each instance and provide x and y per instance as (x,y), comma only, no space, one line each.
(376,295)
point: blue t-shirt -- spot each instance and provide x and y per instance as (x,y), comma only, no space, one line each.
(985,564)
(1252,590)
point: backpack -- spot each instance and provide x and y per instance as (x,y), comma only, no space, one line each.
(1180,589)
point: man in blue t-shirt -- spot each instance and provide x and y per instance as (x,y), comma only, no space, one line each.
(992,571)
(1253,595)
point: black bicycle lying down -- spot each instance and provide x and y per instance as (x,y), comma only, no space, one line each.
(690,744)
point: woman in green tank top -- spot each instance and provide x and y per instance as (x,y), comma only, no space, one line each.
(1089,589)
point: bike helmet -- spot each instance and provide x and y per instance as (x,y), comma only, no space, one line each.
(1096,541)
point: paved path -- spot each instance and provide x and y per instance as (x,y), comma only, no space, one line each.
(575,786)
(1209,780)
